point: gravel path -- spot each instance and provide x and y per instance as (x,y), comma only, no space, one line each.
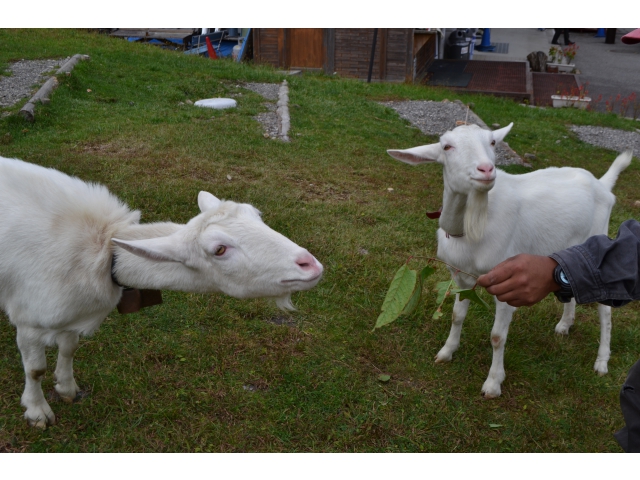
(268,120)
(436,118)
(609,138)
(26,77)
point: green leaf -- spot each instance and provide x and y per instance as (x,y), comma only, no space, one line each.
(437,314)
(442,288)
(473,296)
(426,272)
(495,425)
(384,378)
(414,300)
(417,292)
(400,292)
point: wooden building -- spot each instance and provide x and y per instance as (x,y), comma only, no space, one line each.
(400,54)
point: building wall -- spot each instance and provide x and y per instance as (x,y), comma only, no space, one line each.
(348,52)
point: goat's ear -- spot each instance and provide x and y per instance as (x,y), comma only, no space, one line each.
(418,155)
(498,135)
(206,201)
(161,249)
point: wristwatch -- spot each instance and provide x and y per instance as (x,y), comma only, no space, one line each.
(565,294)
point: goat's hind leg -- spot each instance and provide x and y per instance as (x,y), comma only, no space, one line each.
(604,350)
(39,413)
(460,308)
(65,383)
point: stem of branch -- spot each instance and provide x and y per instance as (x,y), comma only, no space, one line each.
(433,259)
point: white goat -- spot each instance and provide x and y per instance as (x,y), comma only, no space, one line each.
(59,237)
(488,216)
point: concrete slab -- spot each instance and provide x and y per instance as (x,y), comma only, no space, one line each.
(521,42)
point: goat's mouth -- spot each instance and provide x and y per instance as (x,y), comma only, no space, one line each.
(303,280)
(487,182)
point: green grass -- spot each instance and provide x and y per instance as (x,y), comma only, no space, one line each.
(212,373)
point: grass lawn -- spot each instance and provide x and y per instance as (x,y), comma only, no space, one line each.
(206,373)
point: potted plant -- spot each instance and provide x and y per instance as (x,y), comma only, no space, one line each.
(576,97)
(570,52)
(562,60)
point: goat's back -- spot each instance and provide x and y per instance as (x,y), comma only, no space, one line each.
(55,232)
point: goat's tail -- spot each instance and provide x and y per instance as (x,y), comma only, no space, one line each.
(619,164)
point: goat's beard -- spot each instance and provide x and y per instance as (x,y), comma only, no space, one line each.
(284,302)
(475,215)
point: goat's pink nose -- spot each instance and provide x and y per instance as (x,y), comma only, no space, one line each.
(308,263)
(486,169)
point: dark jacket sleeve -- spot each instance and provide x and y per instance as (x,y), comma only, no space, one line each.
(604,270)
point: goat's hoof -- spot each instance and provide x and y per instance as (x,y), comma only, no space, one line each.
(562,329)
(70,394)
(491,389)
(40,420)
(443,357)
(601,367)
(490,394)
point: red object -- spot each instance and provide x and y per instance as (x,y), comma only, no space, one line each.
(632,37)
(212,52)
(434,215)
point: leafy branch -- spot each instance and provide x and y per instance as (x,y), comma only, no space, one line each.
(405,293)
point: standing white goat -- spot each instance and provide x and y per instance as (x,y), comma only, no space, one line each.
(57,270)
(488,216)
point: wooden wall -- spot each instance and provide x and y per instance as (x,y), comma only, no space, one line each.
(347,51)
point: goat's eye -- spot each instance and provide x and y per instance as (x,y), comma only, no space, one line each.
(447,147)
(220,250)
(493,143)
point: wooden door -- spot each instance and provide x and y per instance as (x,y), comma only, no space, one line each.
(305,48)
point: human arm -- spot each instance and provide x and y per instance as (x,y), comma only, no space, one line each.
(605,270)
(599,270)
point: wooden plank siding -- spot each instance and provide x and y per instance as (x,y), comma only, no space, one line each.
(345,51)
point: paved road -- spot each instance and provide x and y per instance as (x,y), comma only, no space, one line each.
(607,69)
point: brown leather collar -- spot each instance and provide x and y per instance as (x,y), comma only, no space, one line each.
(133,299)
(437,214)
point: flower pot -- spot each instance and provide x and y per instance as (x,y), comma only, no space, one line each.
(552,69)
(561,67)
(560,101)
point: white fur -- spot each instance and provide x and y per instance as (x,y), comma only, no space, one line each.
(58,235)
(537,213)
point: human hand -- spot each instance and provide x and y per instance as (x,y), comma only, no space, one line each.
(522,280)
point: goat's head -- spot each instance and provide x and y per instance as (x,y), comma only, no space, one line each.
(229,248)
(467,154)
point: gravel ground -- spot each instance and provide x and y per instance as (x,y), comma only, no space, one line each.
(25,79)
(436,118)
(609,138)
(267,90)
(268,120)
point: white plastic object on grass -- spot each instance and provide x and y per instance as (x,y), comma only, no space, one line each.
(217,103)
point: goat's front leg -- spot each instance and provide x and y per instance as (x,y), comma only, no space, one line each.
(499,332)
(39,413)
(568,317)
(460,308)
(65,383)
(604,350)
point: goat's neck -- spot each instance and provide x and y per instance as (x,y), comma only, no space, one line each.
(465,214)
(139,272)
(453,208)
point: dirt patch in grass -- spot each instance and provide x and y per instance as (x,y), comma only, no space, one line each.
(115,149)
